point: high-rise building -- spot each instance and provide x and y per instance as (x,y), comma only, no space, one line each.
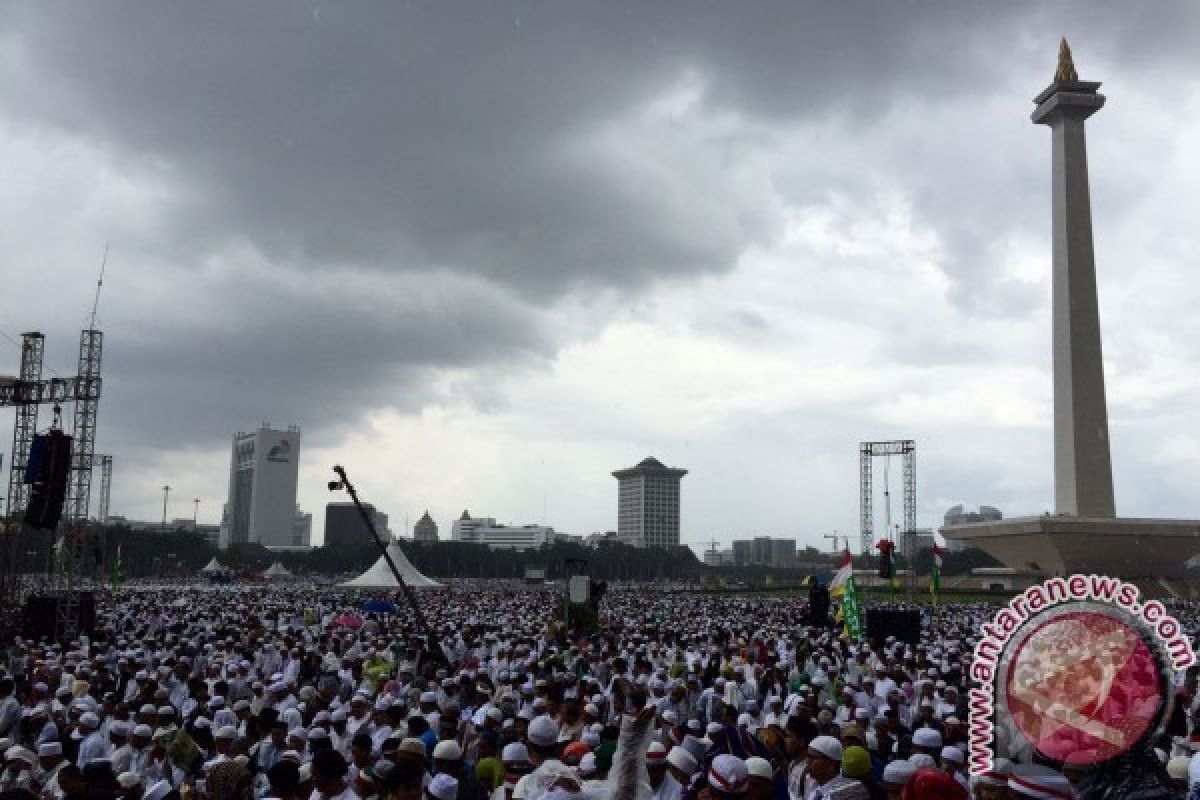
(426,530)
(344,526)
(262,488)
(648,504)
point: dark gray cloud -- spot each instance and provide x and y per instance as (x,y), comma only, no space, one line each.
(354,198)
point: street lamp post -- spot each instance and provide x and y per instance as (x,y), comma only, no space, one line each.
(195,512)
(166,494)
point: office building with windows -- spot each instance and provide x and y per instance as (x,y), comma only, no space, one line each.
(648,504)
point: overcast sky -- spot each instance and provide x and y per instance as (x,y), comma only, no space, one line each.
(485,253)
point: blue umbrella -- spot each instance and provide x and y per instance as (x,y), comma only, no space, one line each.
(379,606)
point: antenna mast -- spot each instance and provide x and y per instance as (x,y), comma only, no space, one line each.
(99,283)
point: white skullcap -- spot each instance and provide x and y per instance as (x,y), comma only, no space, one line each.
(759,767)
(897,773)
(543,732)
(827,746)
(443,787)
(514,753)
(953,755)
(682,760)
(927,737)
(921,760)
(47,749)
(728,774)
(447,750)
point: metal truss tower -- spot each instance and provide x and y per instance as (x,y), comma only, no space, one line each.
(78,563)
(25,398)
(25,395)
(906,448)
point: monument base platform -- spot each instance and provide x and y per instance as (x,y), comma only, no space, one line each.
(1065,545)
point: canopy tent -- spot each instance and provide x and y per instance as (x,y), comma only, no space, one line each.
(213,567)
(380,576)
(277,571)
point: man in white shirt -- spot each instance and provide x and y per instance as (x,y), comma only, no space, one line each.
(93,746)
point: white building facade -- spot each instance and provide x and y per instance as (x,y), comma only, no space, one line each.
(648,504)
(261,508)
(485,530)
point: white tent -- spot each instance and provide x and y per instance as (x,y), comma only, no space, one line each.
(380,576)
(277,571)
(213,567)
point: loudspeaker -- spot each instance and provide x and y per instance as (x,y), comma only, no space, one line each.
(41,614)
(47,471)
(818,605)
(904,625)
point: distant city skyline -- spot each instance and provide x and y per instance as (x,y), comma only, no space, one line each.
(743,242)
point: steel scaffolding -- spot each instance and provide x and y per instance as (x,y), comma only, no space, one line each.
(907,449)
(69,574)
(23,395)
(78,562)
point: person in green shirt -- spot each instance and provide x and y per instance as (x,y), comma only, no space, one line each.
(489,770)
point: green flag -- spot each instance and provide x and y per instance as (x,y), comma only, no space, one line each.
(117,578)
(850,610)
(935,580)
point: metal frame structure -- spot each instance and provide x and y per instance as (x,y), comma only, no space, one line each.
(867,451)
(78,564)
(25,395)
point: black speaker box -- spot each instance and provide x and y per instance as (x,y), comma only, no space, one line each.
(46,473)
(818,605)
(904,625)
(41,614)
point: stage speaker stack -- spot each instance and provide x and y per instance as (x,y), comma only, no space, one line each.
(41,614)
(818,605)
(904,625)
(46,473)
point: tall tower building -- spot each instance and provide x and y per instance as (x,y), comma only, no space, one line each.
(1083,484)
(262,488)
(648,504)
(426,530)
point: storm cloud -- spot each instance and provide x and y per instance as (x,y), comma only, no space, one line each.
(335,214)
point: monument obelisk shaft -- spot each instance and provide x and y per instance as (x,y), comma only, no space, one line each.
(1082,461)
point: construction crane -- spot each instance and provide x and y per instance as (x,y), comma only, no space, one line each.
(26,393)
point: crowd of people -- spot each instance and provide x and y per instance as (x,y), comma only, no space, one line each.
(295,692)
